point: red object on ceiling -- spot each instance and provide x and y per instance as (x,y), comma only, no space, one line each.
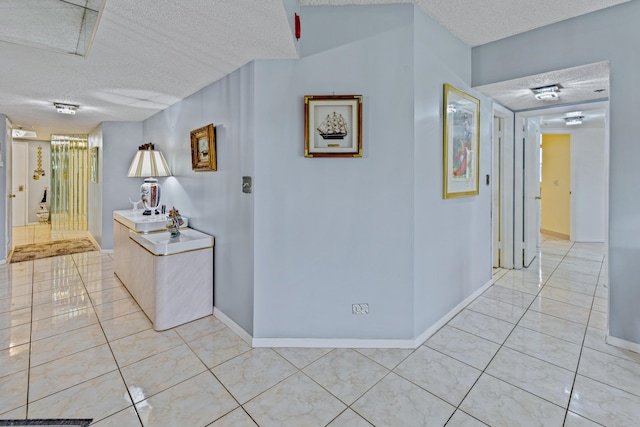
(297,25)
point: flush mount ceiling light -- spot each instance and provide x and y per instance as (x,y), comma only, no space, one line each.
(573,120)
(21,133)
(547,93)
(66,108)
(55,25)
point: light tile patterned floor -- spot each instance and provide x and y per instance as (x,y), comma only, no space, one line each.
(529,351)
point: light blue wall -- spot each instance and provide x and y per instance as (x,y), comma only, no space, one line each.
(3,187)
(605,35)
(452,257)
(214,201)
(333,232)
(94,218)
(323,234)
(120,141)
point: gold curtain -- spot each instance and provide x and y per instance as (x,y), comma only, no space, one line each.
(69,180)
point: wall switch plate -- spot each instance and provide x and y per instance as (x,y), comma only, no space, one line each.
(246,184)
(360,308)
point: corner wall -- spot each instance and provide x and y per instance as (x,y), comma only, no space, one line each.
(598,36)
(334,232)
(452,248)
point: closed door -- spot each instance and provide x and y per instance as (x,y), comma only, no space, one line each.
(19,177)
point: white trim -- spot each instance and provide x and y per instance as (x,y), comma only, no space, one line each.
(106,251)
(619,342)
(351,342)
(333,343)
(3,261)
(420,339)
(506,184)
(237,329)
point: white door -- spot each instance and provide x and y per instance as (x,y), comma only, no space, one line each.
(20,165)
(495,193)
(8,188)
(531,198)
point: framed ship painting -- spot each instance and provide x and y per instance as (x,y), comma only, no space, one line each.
(203,149)
(461,143)
(333,126)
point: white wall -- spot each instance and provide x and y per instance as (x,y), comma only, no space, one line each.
(588,182)
(598,36)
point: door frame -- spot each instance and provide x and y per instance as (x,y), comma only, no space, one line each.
(23,169)
(8,224)
(506,177)
(519,194)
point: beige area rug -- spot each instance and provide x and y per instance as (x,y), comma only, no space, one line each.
(49,249)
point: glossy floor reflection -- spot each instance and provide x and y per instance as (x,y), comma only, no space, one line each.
(529,351)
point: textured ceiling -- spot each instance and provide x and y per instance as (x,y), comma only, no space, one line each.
(579,84)
(146,55)
(480,22)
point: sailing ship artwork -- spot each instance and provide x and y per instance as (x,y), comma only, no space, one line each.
(333,126)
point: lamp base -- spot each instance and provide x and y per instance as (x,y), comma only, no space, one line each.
(148,212)
(150,195)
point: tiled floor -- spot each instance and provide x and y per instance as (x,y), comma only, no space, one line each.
(529,351)
(39,233)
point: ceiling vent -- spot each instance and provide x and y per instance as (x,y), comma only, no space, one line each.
(547,93)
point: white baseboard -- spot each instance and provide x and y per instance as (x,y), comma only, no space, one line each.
(450,315)
(619,342)
(332,343)
(3,261)
(349,342)
(106,251)
(237,329)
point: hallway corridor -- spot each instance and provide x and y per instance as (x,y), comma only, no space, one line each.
(529,351)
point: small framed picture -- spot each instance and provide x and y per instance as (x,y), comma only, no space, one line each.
(461,143)
(93,164)
(333,126)
(203,149)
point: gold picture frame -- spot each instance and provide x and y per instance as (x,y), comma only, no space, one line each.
(203,149)
(333,126)
(93,163)
(461,113)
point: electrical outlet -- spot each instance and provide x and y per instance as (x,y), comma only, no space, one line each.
(360,308)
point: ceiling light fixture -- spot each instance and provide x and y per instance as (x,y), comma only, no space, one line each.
(66,108)
(574,120)
(547,93)
(21,133)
